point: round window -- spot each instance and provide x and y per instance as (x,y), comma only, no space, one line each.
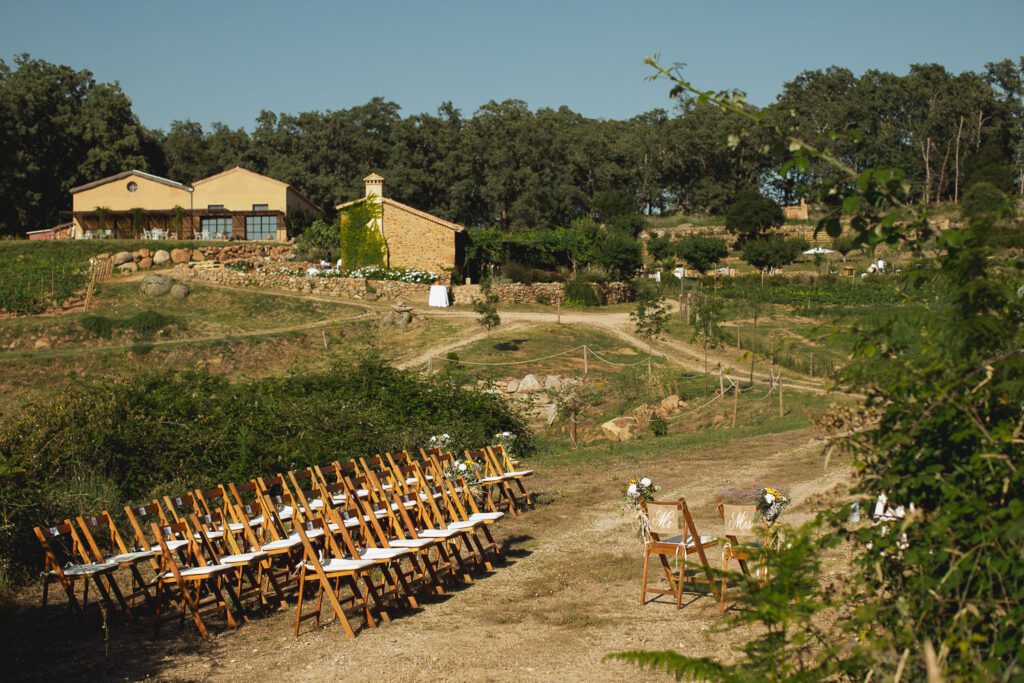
(132,186)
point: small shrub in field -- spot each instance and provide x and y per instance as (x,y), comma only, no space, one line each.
(143,325)
(98,326)
(659,427)
(580,293)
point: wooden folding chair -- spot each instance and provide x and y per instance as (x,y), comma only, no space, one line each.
(114,549)
(503,465)
(742,542)
(66,561)
(330,573)
(249,564)
(141,517)
(283,551)
(195,586)
(669,532)
(492,482)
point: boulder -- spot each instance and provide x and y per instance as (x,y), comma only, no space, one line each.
(161,257)
(513,386)
(529,385)
(123,257)
(144,253)
(145,263)
(156,285)
(129,267)
(180,255)
(552,383)
(197,255)
(621,429)
(179,290)
(42,343)
(670,403)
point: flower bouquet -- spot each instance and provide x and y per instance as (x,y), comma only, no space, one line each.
(770,503)
(638,490)
(442,441)
(468,470)
(506,440)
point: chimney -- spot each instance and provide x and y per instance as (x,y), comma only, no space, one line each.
(374,186)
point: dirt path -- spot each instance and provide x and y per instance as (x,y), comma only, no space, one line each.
(569,596)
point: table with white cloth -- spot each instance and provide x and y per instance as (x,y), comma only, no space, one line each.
(439,296)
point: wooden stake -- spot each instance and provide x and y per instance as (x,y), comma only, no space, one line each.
(735,401)
(738,336)
(585,363)
(721,380)
(812,365)
(559,312)
(781,406)
(324,332)
(572,428)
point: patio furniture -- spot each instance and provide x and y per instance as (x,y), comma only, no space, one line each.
(669,532)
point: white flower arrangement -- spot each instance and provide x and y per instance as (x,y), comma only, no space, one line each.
(638,489)
(770,503)
(409,275)
(442,441)
(506,440)
(468,470)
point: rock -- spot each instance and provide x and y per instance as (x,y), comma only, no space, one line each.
(670,403)
(123,257)
(529,385)
(180,255)
(144,253)
(552,383)
(179,290)
(550,413)
(161,257)
(198,255)
(42,343)
(621,429)
(513,386)
(156,285)
(129,267)
(145,263)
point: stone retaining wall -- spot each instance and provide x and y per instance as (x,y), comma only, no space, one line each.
(353,288)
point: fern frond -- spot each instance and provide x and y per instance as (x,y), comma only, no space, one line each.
(674,664)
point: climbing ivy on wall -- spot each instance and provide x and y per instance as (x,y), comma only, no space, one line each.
(362,243)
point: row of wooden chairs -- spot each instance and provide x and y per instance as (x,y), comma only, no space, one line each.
(371,534)
(670,534)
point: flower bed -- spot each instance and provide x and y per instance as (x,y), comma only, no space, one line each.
(409,275)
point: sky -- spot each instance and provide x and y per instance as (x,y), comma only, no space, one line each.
(220,60)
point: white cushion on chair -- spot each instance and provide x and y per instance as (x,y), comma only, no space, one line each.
(172,545)
(491,480)
(282,543)
(486,516)
(209,570)
(88,569)
(678,540)
(244,558)
(438,533)
(519,473)
(382,553)
(464,525)
(337,564)
(411,542)
(212,535)
(126,558)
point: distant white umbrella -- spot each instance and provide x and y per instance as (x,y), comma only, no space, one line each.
(818,250)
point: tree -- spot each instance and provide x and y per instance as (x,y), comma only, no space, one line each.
(707,317)
(619,254)
(752,214)
(983,200)
(701,252)
(844,244)
(319,241)
(768,253)
(650,319)
(487,308)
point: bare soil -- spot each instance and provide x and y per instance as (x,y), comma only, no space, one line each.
(568,595)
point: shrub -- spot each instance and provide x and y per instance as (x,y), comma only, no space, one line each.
(619,254)
(319,241)
(162,432)
(701,252)
(659,427)
(143,325)
(518,272)
(580,293)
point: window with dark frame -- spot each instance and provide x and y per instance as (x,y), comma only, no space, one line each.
(215,207)
(214,228)
(132,186)
(261,207)
(261,227)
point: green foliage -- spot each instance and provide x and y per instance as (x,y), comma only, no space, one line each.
(820,297)
(582,293)
(32,281)
(487,308)
(769,253)
(660,247)
(659,427)
(650,318)
(619,254)
(844,244)
(701,252)
(319,241)
(752,215)
(361,242)
(120,441)
(984,200)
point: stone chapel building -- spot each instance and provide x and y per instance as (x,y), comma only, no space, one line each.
(415,239)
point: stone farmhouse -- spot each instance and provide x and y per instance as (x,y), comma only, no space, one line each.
(415,239)
(236,204)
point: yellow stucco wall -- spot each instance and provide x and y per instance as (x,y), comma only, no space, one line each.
(239,189)
(415,242)
(296,202)
(116,197)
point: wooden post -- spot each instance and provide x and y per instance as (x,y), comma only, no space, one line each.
(680,302)
(735,400)
(738,336)
(324,332)
(585,363)
(559,311)
(572,428)
(781,406)
(812,365)
(648,368)
(721,380)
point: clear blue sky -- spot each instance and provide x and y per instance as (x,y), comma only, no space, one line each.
(225,61)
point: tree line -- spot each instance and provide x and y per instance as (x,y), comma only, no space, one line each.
(511,167)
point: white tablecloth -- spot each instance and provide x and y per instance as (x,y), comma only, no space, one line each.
(439,296)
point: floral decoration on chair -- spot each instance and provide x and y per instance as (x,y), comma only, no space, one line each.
(638,489)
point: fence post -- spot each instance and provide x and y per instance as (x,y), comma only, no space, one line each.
(735,400)
(559,311)
(585,363)
(721,380)
(781,406)
(812,365)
